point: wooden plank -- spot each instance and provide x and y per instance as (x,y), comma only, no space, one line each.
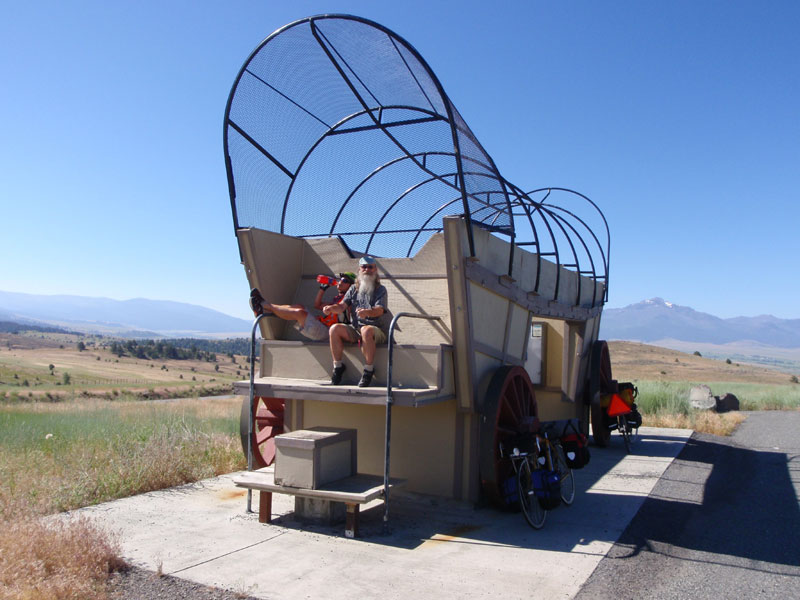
(358,489)
(307,389)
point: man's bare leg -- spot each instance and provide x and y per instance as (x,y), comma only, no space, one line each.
(338,335)
(288,312)
(368,344)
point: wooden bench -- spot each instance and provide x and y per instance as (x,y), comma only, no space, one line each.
(351,491)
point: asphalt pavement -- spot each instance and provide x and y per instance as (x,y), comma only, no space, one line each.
(722,522)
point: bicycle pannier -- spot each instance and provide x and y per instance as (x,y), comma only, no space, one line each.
(547,488)
(576,449)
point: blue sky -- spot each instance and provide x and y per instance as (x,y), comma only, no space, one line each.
(680,119)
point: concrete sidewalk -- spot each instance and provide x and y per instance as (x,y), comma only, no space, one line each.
(201,532)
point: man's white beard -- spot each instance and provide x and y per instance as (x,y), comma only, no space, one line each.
(366,285)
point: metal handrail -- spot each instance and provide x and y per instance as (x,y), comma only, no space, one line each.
(389,402)
(252,405)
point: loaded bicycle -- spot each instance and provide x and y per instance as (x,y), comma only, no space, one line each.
(543,477)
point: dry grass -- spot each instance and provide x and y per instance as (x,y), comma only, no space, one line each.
(703,422)
(56,560)
(56,457)
(25,373)
(632,360)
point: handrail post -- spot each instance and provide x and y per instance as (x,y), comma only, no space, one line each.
(252,406)
(389,402)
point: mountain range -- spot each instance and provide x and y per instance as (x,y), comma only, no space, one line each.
(128,318)
(763,339)
(656,319)
(653,321)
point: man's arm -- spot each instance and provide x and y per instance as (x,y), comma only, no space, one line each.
(334,309)
(318,300)
(378,307)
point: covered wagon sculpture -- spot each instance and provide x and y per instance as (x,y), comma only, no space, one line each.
(341,142)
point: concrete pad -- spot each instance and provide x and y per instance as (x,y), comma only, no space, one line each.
(201,532)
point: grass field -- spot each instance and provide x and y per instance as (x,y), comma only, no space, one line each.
(26,373)
(60,456)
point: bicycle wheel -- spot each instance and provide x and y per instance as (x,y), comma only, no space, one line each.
(534,513)
(622,426)
(566,476)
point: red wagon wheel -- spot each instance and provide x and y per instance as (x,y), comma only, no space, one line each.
(509,409)
(268,423)
(600,382)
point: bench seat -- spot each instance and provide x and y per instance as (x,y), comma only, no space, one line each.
(313,389)
(421,374)
(352,491)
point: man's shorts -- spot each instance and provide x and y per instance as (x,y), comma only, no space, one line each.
(380,337)
(313,329)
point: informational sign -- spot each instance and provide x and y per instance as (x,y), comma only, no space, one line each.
(535,353)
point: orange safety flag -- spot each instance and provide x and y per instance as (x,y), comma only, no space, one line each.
(618,406)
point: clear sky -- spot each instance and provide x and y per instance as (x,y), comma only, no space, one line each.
(680,119)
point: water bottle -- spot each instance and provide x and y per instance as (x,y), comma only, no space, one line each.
(327,280)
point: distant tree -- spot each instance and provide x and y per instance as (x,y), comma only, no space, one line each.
(696,353)
(66,378)
(216,368)
(793,379)
(81,346)
(728,361)
(51,367)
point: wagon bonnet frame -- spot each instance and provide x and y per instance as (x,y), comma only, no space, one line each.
(336,126)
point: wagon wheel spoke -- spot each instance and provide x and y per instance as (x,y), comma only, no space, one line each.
(267,423)
(508,409)
(600,382)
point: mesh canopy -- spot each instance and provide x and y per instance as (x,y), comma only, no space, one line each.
(335,126)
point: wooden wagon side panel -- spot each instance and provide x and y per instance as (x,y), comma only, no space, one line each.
(427,435)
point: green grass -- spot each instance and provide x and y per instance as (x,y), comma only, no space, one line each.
(59,457)
(666,397)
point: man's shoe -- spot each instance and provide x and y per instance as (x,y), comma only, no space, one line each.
(336,376)
(256,302)
(366,378)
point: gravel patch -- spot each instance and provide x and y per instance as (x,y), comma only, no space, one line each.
(141,584)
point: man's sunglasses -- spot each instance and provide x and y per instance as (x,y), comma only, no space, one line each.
(367,267)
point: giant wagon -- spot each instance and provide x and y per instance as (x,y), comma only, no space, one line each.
(341,142)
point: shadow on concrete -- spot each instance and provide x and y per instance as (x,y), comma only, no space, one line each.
(416,520)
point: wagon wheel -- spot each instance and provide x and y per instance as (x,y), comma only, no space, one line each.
(600,382)
(509,409)
(267,424)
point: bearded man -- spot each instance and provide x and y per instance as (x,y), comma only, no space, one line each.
(370,319)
